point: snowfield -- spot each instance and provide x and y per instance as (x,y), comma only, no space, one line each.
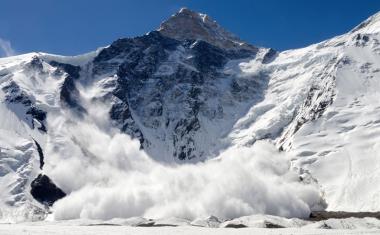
(119,230)
(255,225)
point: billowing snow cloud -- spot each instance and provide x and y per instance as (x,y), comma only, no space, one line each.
(107,176)
(6,48)
(243,182)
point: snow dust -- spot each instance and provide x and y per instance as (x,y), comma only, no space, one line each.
(106,175)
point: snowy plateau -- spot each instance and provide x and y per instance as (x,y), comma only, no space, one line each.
(187,129)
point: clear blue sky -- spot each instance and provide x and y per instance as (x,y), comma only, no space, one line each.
(72,27)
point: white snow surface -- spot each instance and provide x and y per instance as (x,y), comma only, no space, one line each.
(100,230)
(340,149)
(177,226)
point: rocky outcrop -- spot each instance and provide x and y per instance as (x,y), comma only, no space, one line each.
(45,191)
(69,95)
(34,116)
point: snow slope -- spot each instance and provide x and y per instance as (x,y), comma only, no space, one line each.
(321,106)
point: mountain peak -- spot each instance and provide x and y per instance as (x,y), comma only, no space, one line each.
(187,11)
(190,25)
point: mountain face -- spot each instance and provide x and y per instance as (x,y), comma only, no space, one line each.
(186,92)
(167,91)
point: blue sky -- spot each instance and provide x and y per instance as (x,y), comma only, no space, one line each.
(72,27)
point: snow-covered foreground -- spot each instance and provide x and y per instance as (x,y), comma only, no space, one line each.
(254,224)
(116,230)
(6,229)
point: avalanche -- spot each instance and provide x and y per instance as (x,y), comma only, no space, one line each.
(190,125)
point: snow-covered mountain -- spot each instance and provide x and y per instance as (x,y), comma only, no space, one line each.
(188,92)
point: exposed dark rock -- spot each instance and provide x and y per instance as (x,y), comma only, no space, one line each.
(39,115)
(320,96)
(104,224)
(35,64)
(269,56)
(236,226)
(71,70)
(153,224)
(14,95)
(69,95)
(120,113)
(207,57)
(149,223)
(40,153)
(361,40)
(45,191)
(268,224)
(190,25)
(325,226)
(325,215)
(144,93)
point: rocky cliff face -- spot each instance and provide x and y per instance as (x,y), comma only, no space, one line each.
(171,88)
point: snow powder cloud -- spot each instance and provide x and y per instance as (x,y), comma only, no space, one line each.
(106,175)
(6,48)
